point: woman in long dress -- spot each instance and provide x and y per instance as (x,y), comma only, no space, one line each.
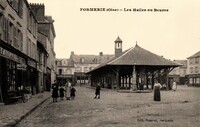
(157,96)
(174,86)
(68,90)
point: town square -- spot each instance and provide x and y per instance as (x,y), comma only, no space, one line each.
(99,63)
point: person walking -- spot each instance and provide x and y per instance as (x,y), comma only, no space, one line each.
(55,91)
(73,90)
(157,96)
(61,91)
(97,92)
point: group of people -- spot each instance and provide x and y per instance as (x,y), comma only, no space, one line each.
(60,91)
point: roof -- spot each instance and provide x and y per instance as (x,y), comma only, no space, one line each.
(118,39)
(68,62)
(182,62)
(139,56)
(90,59)
(195,55)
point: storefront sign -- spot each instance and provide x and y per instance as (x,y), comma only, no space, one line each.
(32,63)
(7,54)
(21,67)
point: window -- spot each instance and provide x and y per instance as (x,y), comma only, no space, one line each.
(20,12)
(81,60)
(184,72)
(20,39)
(78,69)
(69,71)
(196,60)
(5,29)
(11,33)
(1,26)
(191,69)
(60,71)
(191,80)
(197,80)
(196,70)
(15,39)
(86,69)
(91,68)
(191,61)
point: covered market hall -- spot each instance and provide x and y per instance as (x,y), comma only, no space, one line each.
(135,68)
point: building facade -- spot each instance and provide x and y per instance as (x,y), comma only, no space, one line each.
(65,71)
(193,69)
(75,68)
(46,35)
(23,57)
(178,74)
(18,48)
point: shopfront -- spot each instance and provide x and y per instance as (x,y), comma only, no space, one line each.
(12,70)
(17,72)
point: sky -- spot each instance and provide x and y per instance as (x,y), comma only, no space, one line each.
(174,34)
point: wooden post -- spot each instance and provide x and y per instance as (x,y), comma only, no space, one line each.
(117,78)
(134,87)
(167,78)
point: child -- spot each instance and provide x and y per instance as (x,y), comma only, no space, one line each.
(73,90)
(61,90)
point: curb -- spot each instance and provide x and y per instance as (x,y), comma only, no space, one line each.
(13,124)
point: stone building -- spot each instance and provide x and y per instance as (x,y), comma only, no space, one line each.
(75,68)
(178,74)
(18,48)
(193,69)
(27,57)
(46,35)
(65,70)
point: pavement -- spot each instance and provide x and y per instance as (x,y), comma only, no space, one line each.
(178,108)
(10,115)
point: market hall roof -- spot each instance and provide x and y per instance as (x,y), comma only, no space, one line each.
(138,56)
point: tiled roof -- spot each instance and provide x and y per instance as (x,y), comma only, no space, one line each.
(90,59)
(195,55)
(182,62)
(69,62)
(139,56)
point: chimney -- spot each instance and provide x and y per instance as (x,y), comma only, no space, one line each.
(72,53)
(38,11)
(100,53)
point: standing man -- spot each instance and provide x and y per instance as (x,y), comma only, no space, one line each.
(97,93)
(55,91)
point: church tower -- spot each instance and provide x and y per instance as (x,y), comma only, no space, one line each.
(118,46)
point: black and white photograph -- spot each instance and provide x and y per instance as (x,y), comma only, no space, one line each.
(99,63)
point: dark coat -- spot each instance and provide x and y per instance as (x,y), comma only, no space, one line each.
(73,90)
(55,90)
(98,88)
(61,90)
(157,93)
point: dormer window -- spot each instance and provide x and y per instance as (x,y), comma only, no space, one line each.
(81,60)
(95,60)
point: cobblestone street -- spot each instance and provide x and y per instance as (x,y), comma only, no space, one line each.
(114,109)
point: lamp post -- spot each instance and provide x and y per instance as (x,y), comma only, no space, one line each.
(134,87)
